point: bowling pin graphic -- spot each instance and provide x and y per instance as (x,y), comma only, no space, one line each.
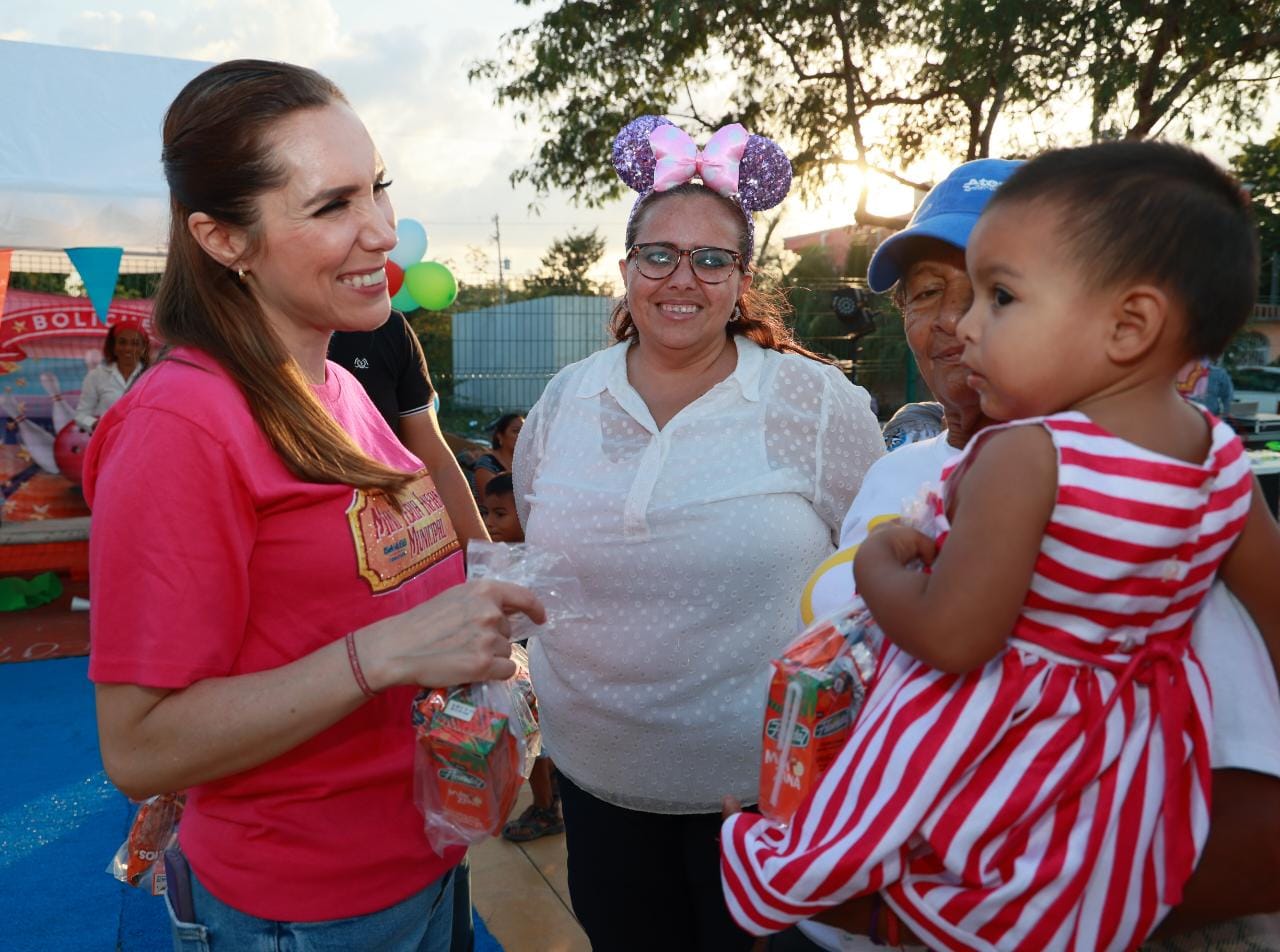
(62,412)
(37,441)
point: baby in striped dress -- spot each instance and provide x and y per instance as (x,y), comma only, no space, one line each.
(1031,768)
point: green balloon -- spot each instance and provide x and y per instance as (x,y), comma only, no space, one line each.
(431,284)
(403,301)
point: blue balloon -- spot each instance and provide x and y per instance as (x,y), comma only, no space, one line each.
(403,301)
(411,243)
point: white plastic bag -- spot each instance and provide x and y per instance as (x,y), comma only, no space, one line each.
(476,743)
(547,573)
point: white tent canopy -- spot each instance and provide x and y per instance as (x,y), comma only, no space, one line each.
(80,152)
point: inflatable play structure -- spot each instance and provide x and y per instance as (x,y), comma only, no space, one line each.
(81,187)
(48,342)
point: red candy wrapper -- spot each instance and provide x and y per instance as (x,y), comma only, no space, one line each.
(154,829)
(815,693)
(475,744)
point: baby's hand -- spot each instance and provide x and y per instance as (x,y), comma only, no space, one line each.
(728,807)
(899,543)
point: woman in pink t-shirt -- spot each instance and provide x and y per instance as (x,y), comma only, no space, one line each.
(274,574)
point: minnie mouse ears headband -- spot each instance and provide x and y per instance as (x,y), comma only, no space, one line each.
(652,154)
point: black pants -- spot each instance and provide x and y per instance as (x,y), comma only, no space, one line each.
(646,881)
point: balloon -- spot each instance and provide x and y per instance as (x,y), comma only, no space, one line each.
(395,278)
(68,451)
(411,242)
(431,284)
(403,301)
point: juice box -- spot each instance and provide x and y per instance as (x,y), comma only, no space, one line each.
(815,692)
(470,762)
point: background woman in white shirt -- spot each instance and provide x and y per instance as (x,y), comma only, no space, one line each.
(125,353)
(694,472)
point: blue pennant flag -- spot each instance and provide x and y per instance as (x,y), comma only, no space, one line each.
(99,268)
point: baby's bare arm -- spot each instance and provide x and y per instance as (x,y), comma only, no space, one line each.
(959,616)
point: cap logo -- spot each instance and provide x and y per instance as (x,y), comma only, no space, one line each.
(981,185)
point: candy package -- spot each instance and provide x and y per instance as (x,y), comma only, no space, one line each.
(815,692)
(154,829)
(475,744)
(548,573)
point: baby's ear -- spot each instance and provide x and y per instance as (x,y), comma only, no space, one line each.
(1141,314)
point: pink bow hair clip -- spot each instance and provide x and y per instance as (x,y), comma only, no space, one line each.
(678,160)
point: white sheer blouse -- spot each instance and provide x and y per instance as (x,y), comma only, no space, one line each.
(693,543)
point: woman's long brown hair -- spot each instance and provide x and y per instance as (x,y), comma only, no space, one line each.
(217,160)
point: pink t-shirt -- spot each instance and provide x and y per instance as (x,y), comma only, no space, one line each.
(209,558)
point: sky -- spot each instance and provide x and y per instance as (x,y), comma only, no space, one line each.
(449,149)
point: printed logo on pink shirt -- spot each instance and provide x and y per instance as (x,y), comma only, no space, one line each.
(392,547)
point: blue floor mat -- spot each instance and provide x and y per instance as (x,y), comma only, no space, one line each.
(61,821)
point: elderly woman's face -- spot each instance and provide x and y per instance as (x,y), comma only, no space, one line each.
(936,294)
(681,312)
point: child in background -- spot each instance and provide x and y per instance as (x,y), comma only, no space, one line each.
(498,509)
(542,817)
(1031,768)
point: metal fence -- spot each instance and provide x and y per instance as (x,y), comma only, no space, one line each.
(500,358)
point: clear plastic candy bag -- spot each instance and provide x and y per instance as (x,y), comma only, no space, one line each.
(816,690)
(476,743)
(139,860)
(546,572)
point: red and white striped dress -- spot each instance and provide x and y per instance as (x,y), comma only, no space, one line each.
(1057,798)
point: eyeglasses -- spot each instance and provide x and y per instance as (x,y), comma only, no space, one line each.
(710,265)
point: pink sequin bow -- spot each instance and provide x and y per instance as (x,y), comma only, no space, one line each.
(679,160)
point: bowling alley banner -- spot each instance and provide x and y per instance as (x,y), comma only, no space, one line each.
(48,342)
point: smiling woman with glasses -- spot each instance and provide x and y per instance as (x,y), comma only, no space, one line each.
(694,473)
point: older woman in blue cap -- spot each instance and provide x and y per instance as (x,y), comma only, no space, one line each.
(1239,874)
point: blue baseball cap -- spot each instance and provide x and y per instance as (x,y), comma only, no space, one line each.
(948,213)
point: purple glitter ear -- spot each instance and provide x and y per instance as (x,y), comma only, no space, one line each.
(632,153)
(764,175)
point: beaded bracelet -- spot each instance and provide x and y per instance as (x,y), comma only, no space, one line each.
(355,666)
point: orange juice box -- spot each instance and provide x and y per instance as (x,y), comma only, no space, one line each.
(815,692)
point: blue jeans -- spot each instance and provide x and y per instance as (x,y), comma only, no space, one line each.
(421,923)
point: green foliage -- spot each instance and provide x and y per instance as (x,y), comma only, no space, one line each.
(1258,166)
(808,287)
(874,83)
(37,281)
(885,365)
(563,269)
(137,286)
(435,333)
(128,286)
(1247,349)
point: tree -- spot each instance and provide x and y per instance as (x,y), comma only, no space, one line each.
(1258,166)
(874,84)
(1149,62)
(564,267)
